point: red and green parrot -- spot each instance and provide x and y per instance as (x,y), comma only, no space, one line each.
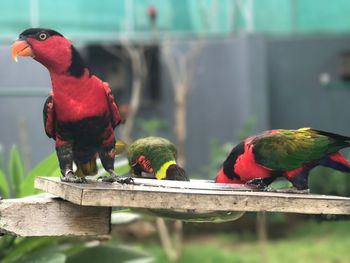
(261,158)
(156,156)
(80,114)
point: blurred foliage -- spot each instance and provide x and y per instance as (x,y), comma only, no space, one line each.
(309,243)
(218,153)
(4,186)
(47,167)
(329,182)
(246,129)
(16,184)
(53,249)
(15,170)
(121,167)
(151,127)
(110,252)
(1,157)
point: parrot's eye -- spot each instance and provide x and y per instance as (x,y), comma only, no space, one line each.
(42,36)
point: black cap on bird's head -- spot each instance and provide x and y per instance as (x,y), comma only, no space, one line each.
(175,172)
(39,33)
(30,39)
(50,48)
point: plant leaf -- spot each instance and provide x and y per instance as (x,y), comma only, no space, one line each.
(47,167)
(109,253)
(123,217)
(122,168)
(45,255)
(15,167)
(6,241)
(4,186)
(26,245)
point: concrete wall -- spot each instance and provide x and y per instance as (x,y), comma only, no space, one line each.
(23,112)
(296,95)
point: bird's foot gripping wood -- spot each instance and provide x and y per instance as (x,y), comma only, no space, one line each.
(259,183)
(70,177)
(263,185)
(115,178)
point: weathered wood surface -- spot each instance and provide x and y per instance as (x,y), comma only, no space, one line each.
(185,198)
(49,216)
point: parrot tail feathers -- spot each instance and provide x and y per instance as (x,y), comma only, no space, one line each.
(335,136)
(88,168)
(338,162)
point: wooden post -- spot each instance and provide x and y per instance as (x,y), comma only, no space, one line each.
(261,229)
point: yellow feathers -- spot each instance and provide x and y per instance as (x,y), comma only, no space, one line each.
(161,174)
(89,168)
(119,147)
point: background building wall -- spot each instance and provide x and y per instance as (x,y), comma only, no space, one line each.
(296,94)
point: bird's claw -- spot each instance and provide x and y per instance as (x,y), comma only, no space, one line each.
(126,180)
(72,178)
(258,183)
(108,179)
(114,178)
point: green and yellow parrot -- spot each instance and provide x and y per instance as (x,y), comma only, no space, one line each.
(156,156)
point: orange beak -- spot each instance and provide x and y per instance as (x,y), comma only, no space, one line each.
(21,48)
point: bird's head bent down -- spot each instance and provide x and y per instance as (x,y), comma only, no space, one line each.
(48,47)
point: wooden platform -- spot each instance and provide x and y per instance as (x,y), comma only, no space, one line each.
(196,195)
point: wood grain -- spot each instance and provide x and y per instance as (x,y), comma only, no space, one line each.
(48,216)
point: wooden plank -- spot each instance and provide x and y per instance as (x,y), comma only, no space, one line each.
(162,197)
(48,216)
(194,184)
(69,192)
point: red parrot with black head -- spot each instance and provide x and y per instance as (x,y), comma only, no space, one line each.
(80,114)
(261,158)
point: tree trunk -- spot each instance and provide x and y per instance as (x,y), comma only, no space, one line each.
(173,251)
(138,71)
(180,123)
(181,69)
(133,109)
(261,228)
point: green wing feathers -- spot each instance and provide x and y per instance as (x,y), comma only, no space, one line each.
(290,149)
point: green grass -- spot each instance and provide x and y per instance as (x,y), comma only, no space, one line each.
(313,242)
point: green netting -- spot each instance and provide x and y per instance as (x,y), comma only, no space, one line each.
(323,15)
(112,18)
